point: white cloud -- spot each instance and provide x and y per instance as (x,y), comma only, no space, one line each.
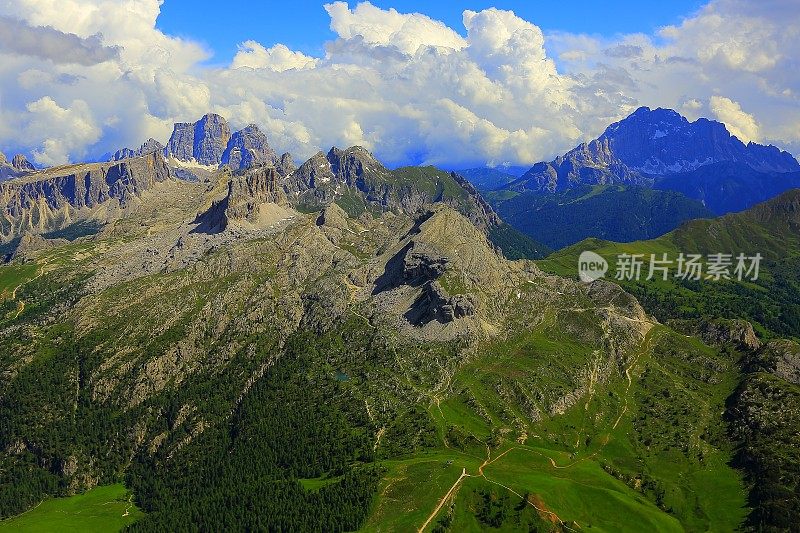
(742,125)
(63,130)
(279,58)
(404,85)
(406,32)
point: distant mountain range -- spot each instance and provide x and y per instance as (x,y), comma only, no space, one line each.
(340,346)
(650,145)
(210,143)
(18,166)
(689,169)
(54,199)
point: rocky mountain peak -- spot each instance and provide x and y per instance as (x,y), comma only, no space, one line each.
(18,166)
(243,203)
(149,147)
(285,165)
(20,162)
(648,144)
(350,164)
(662,142)
(247,148)
(211,136)
(203,141)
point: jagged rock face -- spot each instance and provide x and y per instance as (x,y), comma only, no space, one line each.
(18,166)
(48,200)
(248,148)
(435,304)
(350,165)
(739,333)
(354,171)
(246,194)
(211,136)
(651,143)
(204,141)
(20,162)
(313,173)
(285,165)
(423,262)
(149,147)
(345,167)
(783,357)
(181,142)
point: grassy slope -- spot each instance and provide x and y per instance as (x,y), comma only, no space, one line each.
(772,303)
(583,442)
(107,508)
(587,466)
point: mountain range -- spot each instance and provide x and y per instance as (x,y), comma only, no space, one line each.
(224,340)
(56,198)
(649,172)
(650,145)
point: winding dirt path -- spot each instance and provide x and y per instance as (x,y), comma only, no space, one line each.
(488,461)
(21,303)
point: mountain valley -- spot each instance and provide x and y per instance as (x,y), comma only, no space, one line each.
(237,340)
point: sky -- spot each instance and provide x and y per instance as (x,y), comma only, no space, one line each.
(456,84)
(305,25)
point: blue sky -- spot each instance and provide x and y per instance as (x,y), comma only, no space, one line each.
(304,25)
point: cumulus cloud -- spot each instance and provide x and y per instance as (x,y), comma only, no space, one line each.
(47,43)
(746,50)
(406,32)
(75,126)
(742,125)
(404,85)
(279,58)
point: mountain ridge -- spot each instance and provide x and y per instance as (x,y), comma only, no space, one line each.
(650,143)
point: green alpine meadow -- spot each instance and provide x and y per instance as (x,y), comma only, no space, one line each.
(327,267)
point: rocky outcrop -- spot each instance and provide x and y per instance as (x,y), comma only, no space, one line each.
(18,166)
(333,216)
(650,143)
(49,200)
(435,304)
(718,332)
(149,147)
(422,263)
(285,165)
(246,195)
(21,163)
(248,148)
(780,357)
(203,142)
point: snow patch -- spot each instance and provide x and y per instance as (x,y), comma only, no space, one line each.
(193,164)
